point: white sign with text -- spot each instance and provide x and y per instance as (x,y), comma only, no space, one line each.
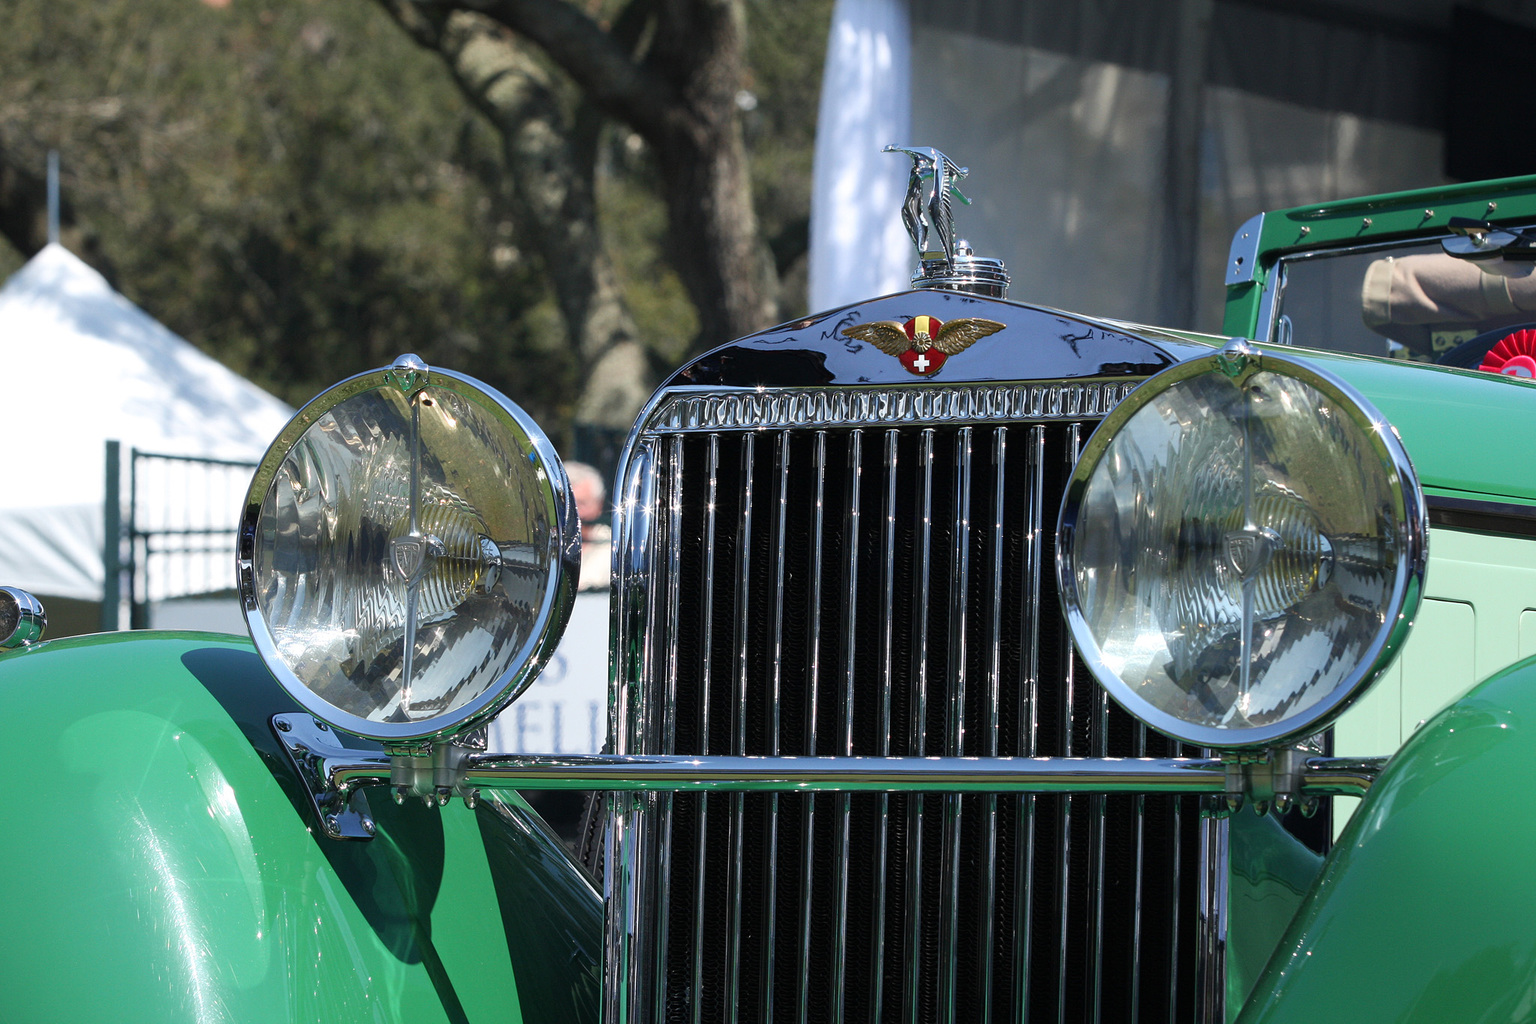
(565,711)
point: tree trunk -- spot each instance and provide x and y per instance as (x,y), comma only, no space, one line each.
(680,96)
(707,180)
(551,161)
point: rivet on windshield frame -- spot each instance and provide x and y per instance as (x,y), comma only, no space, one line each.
(1428,214)
(1306,230)
(1232,358)
(1491,207)
(1365,222)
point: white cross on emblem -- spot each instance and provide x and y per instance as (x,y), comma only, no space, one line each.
(921,362)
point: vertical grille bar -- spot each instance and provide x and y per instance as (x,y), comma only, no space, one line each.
(668,802)
(744,549)
(1178,901)
(1064,848)
(701,851)
(1141,860)
(1029,720)
(632,718)
(884,726)
(919,730)
(845,725)
(954,740)
(771,870)
(808,853)
(1098,808)
(992,710)
(1213,934)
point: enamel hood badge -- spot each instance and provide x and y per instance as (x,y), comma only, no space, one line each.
(923,343)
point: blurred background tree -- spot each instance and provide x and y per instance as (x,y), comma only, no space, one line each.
(303,190)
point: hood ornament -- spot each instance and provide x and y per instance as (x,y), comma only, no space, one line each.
(944,261)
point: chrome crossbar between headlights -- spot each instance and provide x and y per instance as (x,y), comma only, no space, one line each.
(1321,776)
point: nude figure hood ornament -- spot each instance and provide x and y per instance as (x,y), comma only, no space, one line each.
(945,262)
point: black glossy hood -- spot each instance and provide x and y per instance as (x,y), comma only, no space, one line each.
(1035,344)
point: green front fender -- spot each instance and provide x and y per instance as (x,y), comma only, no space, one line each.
(1426,909)
(162,863)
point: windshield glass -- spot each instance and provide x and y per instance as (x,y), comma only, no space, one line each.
(1409,301)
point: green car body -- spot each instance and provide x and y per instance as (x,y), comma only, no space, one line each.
(178,872)
(181,878)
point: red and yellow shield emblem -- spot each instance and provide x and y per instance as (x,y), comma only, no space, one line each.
(924,343)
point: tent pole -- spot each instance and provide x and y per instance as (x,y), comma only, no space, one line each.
(53,196)
(1181,162)
(111,547)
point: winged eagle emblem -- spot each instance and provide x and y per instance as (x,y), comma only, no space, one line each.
(924,343)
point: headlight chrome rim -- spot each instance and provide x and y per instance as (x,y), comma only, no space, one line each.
(409,375)
(1238,361)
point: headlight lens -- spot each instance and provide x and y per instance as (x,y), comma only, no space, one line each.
(407,553)
(1241,549)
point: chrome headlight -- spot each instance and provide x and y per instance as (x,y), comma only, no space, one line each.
(408,553)
(1241,549)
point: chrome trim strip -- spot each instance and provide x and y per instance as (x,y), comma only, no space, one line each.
(1269,300)
(1481,516)
(715,409)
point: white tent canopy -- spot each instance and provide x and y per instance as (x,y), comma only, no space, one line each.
(85,366)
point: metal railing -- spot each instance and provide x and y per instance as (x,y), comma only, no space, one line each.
(174,535)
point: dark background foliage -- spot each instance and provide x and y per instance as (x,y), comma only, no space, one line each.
(301,190)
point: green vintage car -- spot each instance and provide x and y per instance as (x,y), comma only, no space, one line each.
(969,661)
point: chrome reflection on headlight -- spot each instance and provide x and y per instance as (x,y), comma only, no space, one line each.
(1241,549)
(408,553)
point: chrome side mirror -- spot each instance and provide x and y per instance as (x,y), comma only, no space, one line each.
(1479,240)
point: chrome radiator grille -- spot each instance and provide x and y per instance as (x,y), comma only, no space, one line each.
(880,583)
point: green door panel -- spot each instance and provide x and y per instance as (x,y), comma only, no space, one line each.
(1475,619)
(1424,910)
(1444,663)
(172,870)
(1450,421)
(1528,632)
